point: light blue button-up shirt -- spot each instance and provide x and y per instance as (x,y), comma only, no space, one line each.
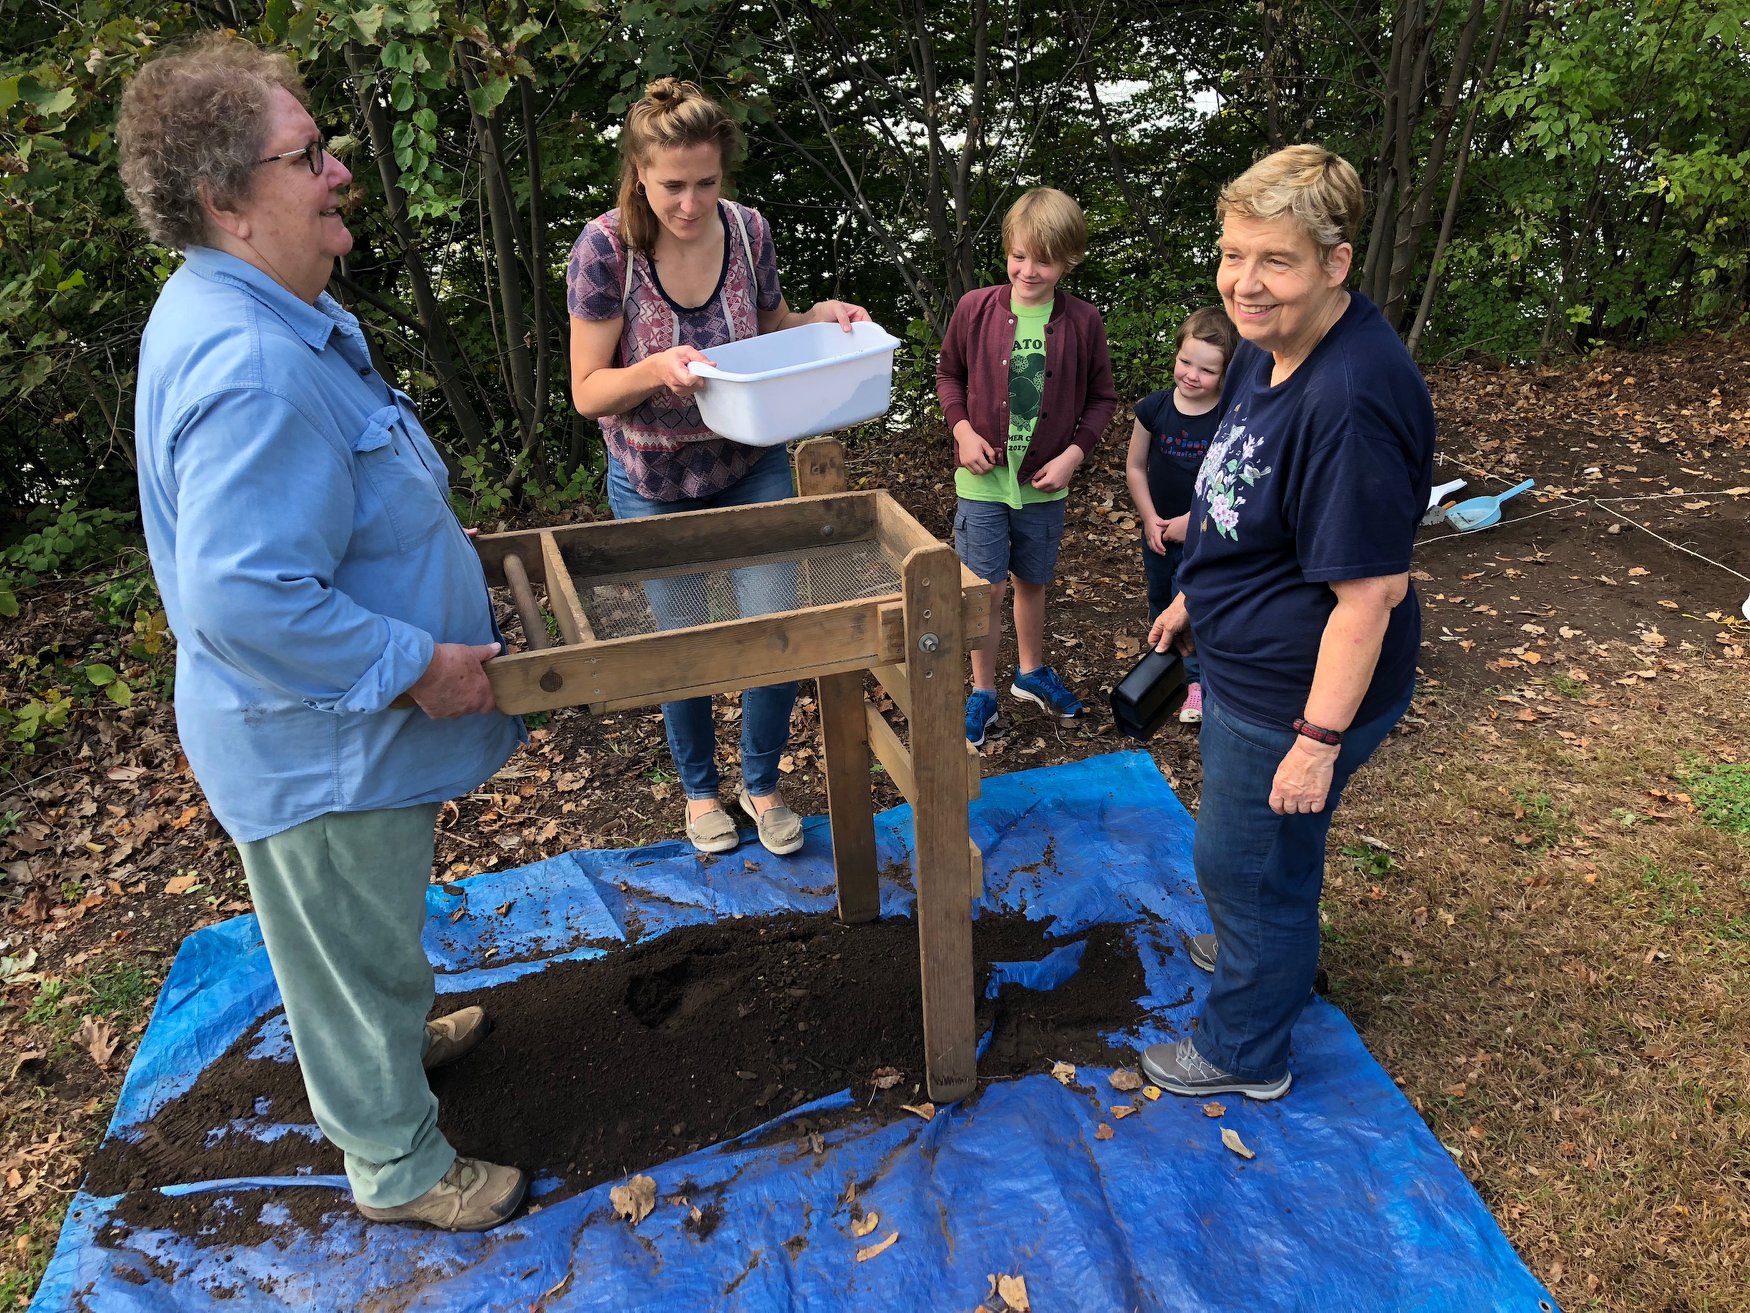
(299,528)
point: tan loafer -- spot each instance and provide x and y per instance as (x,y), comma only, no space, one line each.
(455,1035)
(780,828)
(713,831)
(471,1196)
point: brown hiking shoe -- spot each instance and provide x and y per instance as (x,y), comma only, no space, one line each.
(455,1035)
(472,1196)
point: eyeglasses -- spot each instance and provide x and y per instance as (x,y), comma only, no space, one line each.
(315,156)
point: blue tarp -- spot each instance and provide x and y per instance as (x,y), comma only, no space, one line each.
(1350,1203)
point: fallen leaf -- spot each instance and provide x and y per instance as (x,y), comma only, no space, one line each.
(182,822)
(1124,1079)
(924,1110)
(1012,1291)
(563,1285)
(1122,1110)
(1065,1072)
(98,1039)
(885,1078)
(36,907)
(1214,1109)
(1151,1093)
(1103,1132)
(861,1226)
(865,1254)
(181,884)
(1231,1138)
(634,1200)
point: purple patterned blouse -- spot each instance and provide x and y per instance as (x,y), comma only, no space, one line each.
(667,452)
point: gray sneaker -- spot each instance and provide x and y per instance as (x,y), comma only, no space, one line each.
(455,1035)
(472,1196)
(1201,949)
(1180,1069)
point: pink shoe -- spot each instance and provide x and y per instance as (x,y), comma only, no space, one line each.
(1192,712)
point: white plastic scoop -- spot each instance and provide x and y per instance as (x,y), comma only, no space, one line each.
(1434,514)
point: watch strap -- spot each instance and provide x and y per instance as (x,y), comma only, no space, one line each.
(1318,733)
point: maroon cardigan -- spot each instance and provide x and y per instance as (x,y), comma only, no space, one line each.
(972,374)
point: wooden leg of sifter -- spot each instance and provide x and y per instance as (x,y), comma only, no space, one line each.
(849,800)
(934,659)
(820,469)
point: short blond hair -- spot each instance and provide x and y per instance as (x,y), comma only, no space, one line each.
(1049,226)
(672,114)
(193,119)
(1318,189)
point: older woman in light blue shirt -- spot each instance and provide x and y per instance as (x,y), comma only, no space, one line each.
(312,571)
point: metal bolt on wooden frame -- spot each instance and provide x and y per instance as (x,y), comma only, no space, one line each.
(912,641)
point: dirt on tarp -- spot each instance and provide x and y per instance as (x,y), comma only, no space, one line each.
(597,1069)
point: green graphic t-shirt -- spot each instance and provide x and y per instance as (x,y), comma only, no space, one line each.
(1026,388)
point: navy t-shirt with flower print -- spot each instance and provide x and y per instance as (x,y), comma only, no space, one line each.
(1320,479)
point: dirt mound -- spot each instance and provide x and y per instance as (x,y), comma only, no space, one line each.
(600,1068)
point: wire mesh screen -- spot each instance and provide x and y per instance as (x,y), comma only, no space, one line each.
(622,607)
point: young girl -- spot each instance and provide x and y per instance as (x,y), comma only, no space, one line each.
(1167,442)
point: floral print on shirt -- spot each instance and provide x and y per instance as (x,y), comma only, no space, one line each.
(1227,472)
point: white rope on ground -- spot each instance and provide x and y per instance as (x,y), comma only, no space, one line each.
(1496,525)
(1679,546)
(1599,502)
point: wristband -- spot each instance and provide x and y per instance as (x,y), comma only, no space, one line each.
(1330,737)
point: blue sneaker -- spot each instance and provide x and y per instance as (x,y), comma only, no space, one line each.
(981,716)
(1045,688)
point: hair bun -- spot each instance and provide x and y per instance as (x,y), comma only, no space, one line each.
(666,92)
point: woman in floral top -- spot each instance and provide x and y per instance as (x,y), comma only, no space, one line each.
(653,285)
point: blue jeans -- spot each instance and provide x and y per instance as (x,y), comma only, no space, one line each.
(1161,573)
(1261,875)
(681,600)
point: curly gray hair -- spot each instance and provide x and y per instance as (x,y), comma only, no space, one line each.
(197,118)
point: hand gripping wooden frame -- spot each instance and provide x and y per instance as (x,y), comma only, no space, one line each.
(912,641)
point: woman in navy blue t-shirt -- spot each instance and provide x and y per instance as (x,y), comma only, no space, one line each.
(1296,585)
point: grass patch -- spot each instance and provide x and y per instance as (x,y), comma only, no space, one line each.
(1723,794)
(32,1244)
(122,992)
(1558,976)
(1370,860)
(1677,892)
(1547,824)
(1567,685)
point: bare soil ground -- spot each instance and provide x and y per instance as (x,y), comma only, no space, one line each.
(1530,918)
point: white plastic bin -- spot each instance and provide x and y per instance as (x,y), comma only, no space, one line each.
(778,387)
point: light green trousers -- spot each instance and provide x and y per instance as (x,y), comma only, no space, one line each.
(341,901)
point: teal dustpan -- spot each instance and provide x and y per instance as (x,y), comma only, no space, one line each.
(1481,512)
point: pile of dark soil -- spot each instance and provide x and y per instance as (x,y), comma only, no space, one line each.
(598,1069)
